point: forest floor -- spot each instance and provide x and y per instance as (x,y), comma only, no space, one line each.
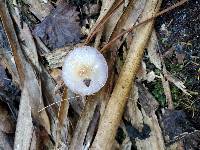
(163,106)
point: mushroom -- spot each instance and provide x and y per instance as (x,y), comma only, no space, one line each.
(85,70)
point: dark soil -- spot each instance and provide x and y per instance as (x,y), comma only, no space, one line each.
(179,34)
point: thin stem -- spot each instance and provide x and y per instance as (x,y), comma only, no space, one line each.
(103,50)
(103,21)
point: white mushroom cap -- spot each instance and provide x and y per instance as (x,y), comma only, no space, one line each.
(85,70)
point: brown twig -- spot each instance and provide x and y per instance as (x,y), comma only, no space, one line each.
(62,113)
(26,69)
(103,50)
(101,22)
(115,107)
(12,39)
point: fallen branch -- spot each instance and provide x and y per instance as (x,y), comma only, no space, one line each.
(12,39)
(150,18)
(62,114)
(101,22)
(115,108)
(26,69)
(24,127)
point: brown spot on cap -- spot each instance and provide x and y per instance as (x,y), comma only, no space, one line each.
(87,82)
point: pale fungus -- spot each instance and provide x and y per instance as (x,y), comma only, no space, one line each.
(85,70)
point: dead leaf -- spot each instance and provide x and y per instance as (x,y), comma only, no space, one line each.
(135,10)
(111,23)
(6,123)
(151,76)
(179,84)
(155,141)
(61,27)
(56,74)
(5,141)
(180,57)
(147,101)
(24,128)
(142,72)
(167,92)
(56,57)
(39,9)
(127,144)
(152,50)
(6,56)
(83,124)
(132,112)
(29,69)
(9,93)
(92,127)
(29,47)
(91,9)
(175,124)
(3,76)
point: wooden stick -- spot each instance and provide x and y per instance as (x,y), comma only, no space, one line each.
(12,39)
(103,21)
(103,50)
(112,116)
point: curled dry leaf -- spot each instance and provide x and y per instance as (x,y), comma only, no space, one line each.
(60,27)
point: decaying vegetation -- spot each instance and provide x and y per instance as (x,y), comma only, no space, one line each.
(144,104)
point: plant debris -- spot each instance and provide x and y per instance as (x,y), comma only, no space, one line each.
(61,27)
(150,100)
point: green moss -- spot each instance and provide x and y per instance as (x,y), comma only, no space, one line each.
(176,96)
(174,68)
(158,92)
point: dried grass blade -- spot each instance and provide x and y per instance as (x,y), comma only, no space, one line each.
(101,22)
(103,50)
(112,116)
(12,39)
